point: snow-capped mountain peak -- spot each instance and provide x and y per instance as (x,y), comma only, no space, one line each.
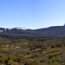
(22,28)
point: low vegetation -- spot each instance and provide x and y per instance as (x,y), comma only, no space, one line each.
(32,51)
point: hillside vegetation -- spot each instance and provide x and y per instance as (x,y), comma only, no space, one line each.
(31,50)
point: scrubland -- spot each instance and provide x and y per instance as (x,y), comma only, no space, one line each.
(42,51)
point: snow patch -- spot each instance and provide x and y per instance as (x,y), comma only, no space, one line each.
(22,28)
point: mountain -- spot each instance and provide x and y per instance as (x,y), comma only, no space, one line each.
(53,31)
(50,31)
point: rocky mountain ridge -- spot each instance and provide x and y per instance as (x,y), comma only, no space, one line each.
(50,31)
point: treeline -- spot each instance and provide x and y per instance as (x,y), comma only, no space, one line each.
(20,36)
(31,37)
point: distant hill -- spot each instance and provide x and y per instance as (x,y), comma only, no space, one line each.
(50,31)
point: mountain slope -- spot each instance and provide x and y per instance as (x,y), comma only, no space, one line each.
(51,31)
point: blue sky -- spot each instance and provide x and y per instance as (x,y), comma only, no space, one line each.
(32,13)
